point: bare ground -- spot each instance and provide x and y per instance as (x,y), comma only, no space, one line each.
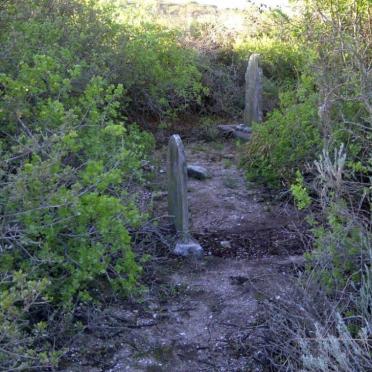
(227,208)
(200,314)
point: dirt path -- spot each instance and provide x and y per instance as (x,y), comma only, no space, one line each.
(199,314)
(214,311)
(217,298)
(226,207)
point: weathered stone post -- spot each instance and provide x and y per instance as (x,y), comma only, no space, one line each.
(177,198)
(253,91)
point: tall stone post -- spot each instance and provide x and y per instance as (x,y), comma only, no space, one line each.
(177,198)
(253,91)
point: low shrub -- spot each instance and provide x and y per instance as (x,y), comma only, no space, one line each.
(281,61)
(65,166)
(163,78)
(307,332)
(287,140)
(67,158)
(340,251)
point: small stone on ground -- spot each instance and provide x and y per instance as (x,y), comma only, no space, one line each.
(197,171)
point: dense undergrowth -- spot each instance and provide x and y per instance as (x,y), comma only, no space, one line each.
(79,84)
(319,141)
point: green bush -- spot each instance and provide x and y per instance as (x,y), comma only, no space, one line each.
(163,77)
(287,140)
(300,192)
(73,32)
(66,176)
(280,60)
(67,158)
(340,249)
(23,343)
(223,61)
(65,164)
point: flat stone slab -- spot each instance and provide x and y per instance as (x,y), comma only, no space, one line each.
(197,171)
(243,128)
(188,248)
(240,131)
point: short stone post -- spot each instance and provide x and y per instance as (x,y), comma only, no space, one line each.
(177,198)
(253,91)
